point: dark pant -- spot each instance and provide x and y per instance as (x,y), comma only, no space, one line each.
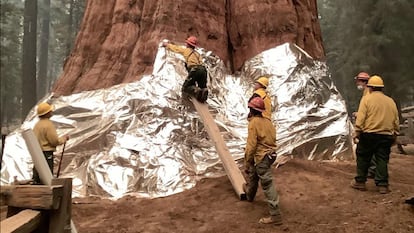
(263,172)
(370,145)
(49,159)
(372,167)
(197,76)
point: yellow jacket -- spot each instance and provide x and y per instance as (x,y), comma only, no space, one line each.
(267,101)
(46,134)
(261,139)
(377,113)
(191,57)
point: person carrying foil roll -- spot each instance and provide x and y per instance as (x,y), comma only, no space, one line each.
(260,153)
(196,82)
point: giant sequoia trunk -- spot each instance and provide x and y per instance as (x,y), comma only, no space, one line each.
(118,39)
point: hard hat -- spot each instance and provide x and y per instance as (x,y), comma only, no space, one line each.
(362,76)
(43,109)
(264,81)
(375,81)
(257,103)
(192,40)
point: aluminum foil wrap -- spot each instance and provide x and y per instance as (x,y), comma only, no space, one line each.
(143,139)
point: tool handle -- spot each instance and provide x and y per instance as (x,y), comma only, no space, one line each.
(60,162)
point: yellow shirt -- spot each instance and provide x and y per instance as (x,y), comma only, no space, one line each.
(191,57)
(268,103)
(377,113)
(261,139)
(46,134)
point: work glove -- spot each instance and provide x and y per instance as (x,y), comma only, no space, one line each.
(355,137)
(355,140)
(165,43)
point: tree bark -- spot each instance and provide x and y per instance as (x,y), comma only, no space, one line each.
(118,39)
(29,56)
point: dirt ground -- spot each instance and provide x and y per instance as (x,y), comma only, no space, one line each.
(314,197)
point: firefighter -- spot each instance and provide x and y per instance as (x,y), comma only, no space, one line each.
(376,128)
(260,153)
(260,86)
(361,81)
(196,82)
(47,136)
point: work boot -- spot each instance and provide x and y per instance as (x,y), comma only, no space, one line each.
(383,189)
(202,95)
(358,185)
(410,201)
(274,219)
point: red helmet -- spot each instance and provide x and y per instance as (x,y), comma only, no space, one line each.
(192,40)
(257,103)
(362,76)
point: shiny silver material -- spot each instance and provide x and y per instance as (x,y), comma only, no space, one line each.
(142,139)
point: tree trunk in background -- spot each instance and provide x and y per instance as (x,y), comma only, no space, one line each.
(78,11)
(70,27)
(118,39)
(42,77)
(29,56)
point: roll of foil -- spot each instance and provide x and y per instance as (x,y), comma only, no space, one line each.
(144,139)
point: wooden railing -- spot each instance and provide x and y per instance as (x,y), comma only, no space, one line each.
(406,129)
(40,208)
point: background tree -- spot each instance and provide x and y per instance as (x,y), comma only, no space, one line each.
(29,56)
(371,35)
(10,60)
(42,76)
(55,50)
(374,36)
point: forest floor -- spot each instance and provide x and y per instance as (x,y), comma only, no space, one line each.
(314,197)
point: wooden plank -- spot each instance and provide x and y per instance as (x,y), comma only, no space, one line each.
(232,170)
(32,196)
(407,115)
(60,219)
(407,109)
(24,222)
(410,123)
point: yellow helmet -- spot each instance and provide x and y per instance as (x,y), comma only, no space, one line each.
(375,81)
(43,109)
(263,80)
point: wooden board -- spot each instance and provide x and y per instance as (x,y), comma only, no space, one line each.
(32,196)
(24,222)
(230,166)
(60,218)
